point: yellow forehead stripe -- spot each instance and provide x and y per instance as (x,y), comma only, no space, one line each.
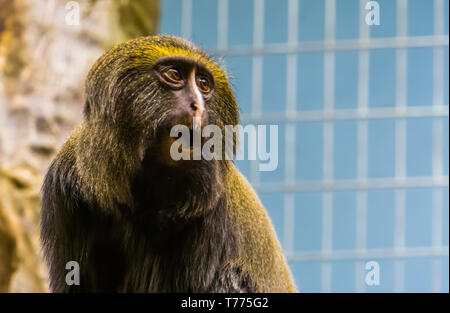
(163,50)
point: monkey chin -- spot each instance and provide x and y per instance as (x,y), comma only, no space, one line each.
(164,158)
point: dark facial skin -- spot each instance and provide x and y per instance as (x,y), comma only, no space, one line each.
(190,84)
(191,87)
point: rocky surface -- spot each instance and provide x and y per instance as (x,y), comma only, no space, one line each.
(46,50)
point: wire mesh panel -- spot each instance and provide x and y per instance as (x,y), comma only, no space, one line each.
(362,113)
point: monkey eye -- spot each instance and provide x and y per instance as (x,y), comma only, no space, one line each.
(172,75)
(203,84)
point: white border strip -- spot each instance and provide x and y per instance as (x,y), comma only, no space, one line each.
(339,45)
(369,254)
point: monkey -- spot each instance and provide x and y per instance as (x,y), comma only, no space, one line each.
(134,219)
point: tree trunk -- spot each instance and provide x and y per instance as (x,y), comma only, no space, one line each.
(46,50)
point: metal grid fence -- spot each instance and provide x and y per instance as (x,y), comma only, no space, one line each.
(363,114)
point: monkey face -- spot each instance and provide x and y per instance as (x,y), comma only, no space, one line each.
(188,87)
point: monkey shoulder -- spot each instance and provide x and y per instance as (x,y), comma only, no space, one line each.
(260,254)
(60,179)
(72,229)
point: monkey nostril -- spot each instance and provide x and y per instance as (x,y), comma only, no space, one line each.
(197,109)
(194,106)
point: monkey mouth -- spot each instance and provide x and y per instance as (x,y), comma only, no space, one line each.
(186,141)
(190,141)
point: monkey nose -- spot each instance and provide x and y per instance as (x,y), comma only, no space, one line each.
(197,109)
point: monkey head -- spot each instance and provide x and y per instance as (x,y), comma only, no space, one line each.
(144,87)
